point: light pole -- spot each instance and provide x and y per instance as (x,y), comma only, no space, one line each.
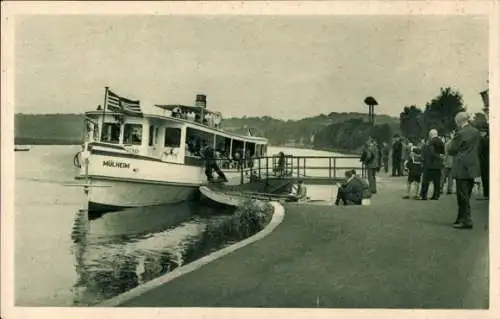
(486,101)
(371,102)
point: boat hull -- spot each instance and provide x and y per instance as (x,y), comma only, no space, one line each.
(108,195)
(121,180)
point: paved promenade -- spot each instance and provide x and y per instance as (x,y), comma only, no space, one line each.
(393,254)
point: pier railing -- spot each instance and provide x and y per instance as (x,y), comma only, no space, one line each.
(314,169)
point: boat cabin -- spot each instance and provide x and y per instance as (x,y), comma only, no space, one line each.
(178,136)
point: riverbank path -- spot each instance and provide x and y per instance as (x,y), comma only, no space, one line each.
(394,253)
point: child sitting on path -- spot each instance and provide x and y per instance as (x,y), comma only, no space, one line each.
(414,166)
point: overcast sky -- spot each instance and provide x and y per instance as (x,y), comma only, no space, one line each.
(285,67)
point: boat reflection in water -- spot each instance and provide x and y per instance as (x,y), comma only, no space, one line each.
(118,251)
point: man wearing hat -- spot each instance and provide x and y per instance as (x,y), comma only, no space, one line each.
(466,166)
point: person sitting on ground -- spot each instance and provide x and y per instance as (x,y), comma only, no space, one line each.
(414,167)
(366,187)
(299,192)
(351,191)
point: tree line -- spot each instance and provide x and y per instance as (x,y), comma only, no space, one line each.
(439,113)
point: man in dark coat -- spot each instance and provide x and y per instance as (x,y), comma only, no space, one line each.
(484,161)
(351,191)
(385,156)
(466,166)
(433,164)
(397,153)
(371,159)
(211,164)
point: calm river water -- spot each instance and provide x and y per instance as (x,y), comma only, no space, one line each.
(63,258)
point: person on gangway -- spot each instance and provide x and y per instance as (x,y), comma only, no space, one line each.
(211,165)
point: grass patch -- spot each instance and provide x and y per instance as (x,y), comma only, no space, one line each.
(248,220)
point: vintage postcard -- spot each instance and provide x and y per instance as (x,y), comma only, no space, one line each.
(241,159)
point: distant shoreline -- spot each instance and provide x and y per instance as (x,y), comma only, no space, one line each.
(45,141)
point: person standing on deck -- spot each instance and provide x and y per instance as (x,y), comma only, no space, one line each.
(466,166)
(370,158)
(447,163)
(484,161)
(433,164)
(397,149)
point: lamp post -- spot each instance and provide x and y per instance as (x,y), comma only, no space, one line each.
(486,101)
(371,102)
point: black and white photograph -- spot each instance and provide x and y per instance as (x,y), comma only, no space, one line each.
(234,155)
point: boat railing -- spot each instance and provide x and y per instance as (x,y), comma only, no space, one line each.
(308,168)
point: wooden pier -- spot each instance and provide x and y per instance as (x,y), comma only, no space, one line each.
(313,170)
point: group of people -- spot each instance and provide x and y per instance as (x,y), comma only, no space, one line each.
(209,119)
(461,156)
(401,150)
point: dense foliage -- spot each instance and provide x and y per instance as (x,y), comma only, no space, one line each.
(248,220)
(439,113)
(350,135)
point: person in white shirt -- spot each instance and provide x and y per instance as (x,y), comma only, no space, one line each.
(217,120)
(298,192)
(208,117)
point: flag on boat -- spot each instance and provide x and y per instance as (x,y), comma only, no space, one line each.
(116,103)
(251,131)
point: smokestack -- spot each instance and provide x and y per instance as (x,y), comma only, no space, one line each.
(201,101)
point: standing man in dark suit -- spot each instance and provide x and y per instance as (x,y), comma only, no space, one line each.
(385,156)
(466,167)
(397,152)
(484,161)
(371,159)
(433,164)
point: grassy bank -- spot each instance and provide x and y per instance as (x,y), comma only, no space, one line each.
(248,220)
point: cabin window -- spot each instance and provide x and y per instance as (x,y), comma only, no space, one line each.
(258,150)
(151,135)
(172,137)
(237,151)
(250,149)
(196,140)
(110,133)
(222,146)
(132,134)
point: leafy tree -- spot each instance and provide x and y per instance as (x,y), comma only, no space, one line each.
(440,112)
(411,122)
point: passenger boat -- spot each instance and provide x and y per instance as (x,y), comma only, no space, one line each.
(134,159)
